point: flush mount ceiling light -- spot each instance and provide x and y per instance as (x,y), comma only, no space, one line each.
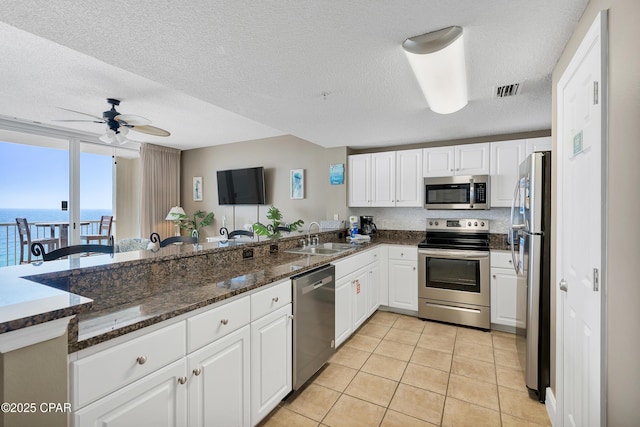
(437,59)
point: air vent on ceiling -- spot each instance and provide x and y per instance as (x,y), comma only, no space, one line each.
(507,90)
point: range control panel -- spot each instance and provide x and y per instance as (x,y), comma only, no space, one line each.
(473,225)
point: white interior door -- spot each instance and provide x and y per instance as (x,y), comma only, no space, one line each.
(579,215)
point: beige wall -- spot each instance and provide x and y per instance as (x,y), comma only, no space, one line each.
(278,156)
(621,285)
(127,198)
(38,374)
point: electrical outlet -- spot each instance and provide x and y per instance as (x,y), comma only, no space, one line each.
(247,253)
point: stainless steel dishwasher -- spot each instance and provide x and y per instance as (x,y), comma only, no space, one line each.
(314,302)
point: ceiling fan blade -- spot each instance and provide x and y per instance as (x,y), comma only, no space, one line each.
(150,130)
(80,121)
(130,119)
(84,114)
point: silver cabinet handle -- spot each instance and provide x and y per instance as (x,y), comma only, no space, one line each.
(182,380)
(564,286)
(141,360)
(197,371)
(290,316)
(510,262)
(414,268)
(274,299)
(224,321)
(494,276)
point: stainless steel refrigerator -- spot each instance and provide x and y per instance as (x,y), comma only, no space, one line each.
(531,232)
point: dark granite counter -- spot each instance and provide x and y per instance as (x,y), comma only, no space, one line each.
(115,295)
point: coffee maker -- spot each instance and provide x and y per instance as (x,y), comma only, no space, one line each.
(367,226)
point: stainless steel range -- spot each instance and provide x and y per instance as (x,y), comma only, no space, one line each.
(453,272)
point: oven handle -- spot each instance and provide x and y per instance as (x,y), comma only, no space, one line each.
(454,254)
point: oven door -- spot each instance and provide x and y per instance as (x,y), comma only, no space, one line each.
(459,276)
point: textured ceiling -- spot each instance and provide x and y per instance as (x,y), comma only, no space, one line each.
(331,72)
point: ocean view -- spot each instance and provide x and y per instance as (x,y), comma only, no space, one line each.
(9,246)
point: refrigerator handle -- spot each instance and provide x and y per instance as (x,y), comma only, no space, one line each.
(513,226)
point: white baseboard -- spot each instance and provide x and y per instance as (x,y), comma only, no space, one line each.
(552,409)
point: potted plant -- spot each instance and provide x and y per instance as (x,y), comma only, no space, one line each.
(274,228)
(200,219)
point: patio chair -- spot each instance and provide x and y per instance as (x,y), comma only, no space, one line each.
(25,239)
(38,250)
(155,238)
(104,231)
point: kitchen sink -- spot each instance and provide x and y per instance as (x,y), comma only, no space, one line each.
(325,249)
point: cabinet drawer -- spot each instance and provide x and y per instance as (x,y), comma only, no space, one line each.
(354,262)
(270,299)
(217,322)
(104,372)
(501,259)
(409,253)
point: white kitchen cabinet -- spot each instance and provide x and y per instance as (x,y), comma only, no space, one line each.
(360,297)
(271,361)
(158,399)
(374,288)
(506,157)
(219,383)
(403,277)
(539,144)
(385,179)
(344,310)
(470,159)
(409,181)
(508,292)
(359,180)
(357,292)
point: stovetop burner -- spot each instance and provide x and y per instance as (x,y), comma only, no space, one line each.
(462,234)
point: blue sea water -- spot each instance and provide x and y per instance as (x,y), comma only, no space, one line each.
(9,249)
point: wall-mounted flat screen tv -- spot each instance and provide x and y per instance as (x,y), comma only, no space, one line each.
(241,186)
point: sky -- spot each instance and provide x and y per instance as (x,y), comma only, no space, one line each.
(34,177)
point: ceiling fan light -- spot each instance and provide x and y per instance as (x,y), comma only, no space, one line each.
(106,138)
(438,61)
(121,138)
(123,130)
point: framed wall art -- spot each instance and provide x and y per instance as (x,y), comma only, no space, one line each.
(197,188)
(296,184)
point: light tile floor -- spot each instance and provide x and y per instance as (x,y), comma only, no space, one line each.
(402,371)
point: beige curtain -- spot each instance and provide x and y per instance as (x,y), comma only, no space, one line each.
(160,170)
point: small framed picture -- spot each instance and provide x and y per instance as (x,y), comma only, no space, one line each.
(197,188)
(296,184)
(336,174)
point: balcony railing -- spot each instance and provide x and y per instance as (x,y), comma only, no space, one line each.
(10,239)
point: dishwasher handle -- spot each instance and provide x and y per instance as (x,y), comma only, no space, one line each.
(313,286)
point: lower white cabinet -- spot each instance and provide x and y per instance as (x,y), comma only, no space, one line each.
(158,399)
(227,366)
(403,277)
(219,383)
(271,361)
(357,292)
(508,292)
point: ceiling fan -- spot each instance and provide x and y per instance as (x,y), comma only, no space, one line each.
(118,125)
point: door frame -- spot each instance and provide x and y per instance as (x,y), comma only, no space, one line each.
(555,405)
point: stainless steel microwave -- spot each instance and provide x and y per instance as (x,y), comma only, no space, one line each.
(457,192)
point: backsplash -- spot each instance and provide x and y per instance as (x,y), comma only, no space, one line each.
(415,218)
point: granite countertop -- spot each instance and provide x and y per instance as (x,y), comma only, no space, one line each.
(24,302)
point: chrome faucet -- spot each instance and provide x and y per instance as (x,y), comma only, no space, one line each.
(316,240)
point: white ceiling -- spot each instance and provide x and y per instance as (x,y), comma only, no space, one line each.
(331,72)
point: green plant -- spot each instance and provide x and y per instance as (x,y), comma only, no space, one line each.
(271,230)
(200,219)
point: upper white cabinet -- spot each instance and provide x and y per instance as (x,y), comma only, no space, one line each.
(539,144)
(386,179)
(506,157)
(359,180)
(471,159)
